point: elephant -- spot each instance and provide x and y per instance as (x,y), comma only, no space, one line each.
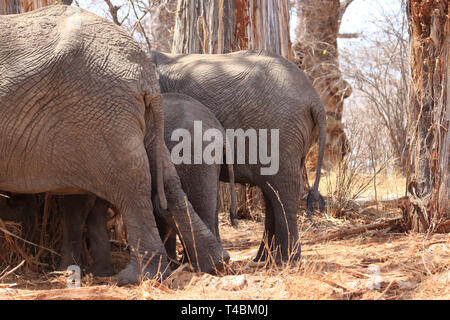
(200,183)
(77,95)
(257,90)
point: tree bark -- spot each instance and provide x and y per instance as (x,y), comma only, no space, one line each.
(429,143)
(207,26)
(316,53)
(21,6)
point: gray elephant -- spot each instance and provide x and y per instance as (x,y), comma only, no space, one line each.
(76,97)
(252,90)
(199,181)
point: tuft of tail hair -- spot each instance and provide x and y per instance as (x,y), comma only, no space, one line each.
(312,197)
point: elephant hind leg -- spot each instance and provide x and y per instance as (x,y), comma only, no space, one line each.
(129,190)
(99,239)
(267,242)
(280,241)
(168,236)
(74,210)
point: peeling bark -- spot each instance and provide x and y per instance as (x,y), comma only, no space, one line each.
(206,26)
(429,143)
(21,6)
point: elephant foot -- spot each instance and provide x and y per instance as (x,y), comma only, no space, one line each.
(101,270)
(129,275)
(278,256)
(214,264)
(134,275)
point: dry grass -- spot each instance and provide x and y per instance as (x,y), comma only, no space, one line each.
(380,264)
(410,266)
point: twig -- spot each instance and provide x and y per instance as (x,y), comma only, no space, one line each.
(113,10)
(331,283)
(138,22)
(3,229)
(47,200)
(385,290)
(12,270)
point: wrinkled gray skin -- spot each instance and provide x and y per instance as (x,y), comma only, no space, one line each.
(251,89)
(200,183)
(77,95)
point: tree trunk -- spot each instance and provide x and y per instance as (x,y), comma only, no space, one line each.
(21,6)
(162,25)
(429,143)
(208,26)
(316,53)
(223,26)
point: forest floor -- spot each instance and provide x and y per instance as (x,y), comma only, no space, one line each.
(379,264)
(385,263)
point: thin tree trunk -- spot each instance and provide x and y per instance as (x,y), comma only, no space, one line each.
(316,53)
(429,144)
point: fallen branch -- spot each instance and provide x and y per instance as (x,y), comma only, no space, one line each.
(386,290)
(358,205)
(83,293)
(358,230)
(391,203)
(331,283)
(8,233)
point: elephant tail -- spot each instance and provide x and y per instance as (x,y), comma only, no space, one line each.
(158,117)
(320,120)
(233,219)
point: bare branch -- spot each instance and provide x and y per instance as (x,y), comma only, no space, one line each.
(348,35)
(113,9)
(138,23)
